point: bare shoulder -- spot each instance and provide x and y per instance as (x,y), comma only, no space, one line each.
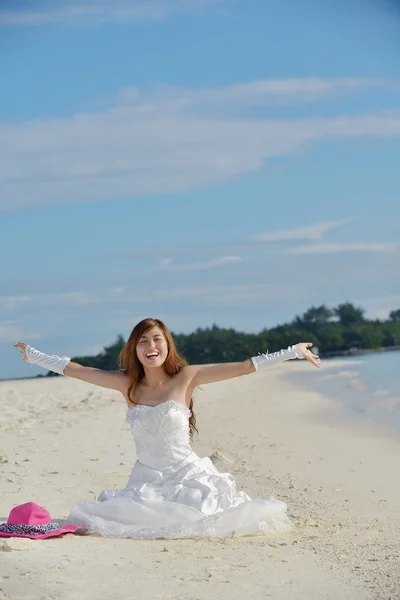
(186,371)
(187,374)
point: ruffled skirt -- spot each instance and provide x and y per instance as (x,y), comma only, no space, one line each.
(195,500)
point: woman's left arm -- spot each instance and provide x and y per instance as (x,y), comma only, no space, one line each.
(202,374)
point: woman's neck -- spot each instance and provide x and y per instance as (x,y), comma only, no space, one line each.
(155,378)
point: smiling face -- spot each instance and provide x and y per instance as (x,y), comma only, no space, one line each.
(152,348)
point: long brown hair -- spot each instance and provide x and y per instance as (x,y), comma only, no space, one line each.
(129,361)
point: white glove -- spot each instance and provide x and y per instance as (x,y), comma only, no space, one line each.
(276,357)
(53,363)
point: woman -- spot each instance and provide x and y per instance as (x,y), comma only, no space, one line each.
(172,492)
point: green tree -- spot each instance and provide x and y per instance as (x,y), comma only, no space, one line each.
(330,338)
(349,314)
(394,315)
(371,335)
(287,335)
(109,357)
(314,317)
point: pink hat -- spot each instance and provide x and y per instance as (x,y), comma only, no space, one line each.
(32,521)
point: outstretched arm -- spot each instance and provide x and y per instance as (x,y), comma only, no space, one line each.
(115,380)
(202,374)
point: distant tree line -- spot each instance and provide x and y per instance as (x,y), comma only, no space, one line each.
(336,331)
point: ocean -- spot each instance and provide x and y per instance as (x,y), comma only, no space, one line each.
(367,387)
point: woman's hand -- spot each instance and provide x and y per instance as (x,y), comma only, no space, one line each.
(312,358)
(22,348)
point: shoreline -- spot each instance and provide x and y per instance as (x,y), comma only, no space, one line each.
(68,440)
(359,352)
(353,398)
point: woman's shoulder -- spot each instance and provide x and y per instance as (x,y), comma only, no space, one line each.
(185,372)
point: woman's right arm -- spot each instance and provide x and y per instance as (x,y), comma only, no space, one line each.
(116,380)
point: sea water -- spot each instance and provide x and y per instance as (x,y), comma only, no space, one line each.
(366,386)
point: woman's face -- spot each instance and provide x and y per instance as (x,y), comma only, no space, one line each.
(152,348)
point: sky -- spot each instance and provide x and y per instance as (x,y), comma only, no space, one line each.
(199,161)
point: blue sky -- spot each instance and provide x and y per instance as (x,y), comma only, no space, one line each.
(201,161)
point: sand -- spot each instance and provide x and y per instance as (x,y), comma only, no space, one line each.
(63,440)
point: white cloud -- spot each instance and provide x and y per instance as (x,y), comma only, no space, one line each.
(252,94)
(329,248)
(12,332)
(125,153)
(10,303)
(94,11)
(315,233)
(91,350)
(379,307)
(168,263)
(275,284)
(207,293)
(310,232)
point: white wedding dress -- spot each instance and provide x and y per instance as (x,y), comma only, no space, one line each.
(172,492)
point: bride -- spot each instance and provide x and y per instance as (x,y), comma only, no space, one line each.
(171,492)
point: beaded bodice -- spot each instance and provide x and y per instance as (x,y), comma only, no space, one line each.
(161,433)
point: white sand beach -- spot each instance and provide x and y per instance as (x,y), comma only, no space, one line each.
(62,440)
